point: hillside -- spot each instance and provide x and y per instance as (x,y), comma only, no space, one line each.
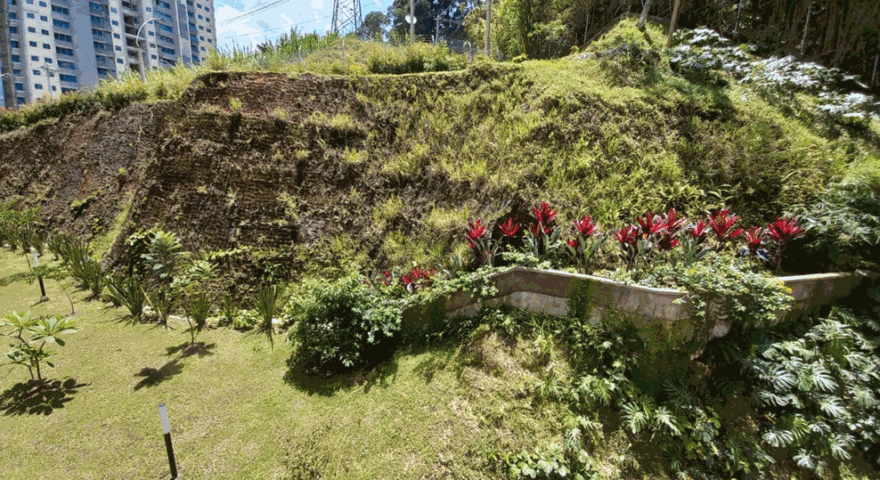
(319,170)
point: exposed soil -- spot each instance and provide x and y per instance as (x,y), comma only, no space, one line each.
(241,160)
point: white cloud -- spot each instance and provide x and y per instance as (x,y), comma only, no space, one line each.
(318,4)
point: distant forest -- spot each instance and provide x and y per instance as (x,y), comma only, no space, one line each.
(834,33)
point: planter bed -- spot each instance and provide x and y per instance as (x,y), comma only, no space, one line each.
(547,292)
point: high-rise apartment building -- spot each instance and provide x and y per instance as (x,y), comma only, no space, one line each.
(49,47)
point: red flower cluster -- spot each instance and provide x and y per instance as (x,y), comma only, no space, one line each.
(722,224)
(754,239)
(697,230)
(783,231)
(508,229)
(416,279)
(475,233)
(628,235)
(544,214)
(585,226)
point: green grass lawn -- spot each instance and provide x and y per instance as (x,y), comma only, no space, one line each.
(236,411)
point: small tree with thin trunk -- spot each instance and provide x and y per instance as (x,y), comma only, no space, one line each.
(40,332)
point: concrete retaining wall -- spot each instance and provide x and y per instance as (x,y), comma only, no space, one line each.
(547,292)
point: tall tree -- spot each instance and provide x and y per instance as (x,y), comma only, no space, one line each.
(646,6)
(450,12)
(373,26)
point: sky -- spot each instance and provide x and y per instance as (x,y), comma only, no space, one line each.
(305,15)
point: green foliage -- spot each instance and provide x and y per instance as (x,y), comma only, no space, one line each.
(415,58)
(268,303)
(76,254)
(198,308)
(31,352)
(820,389)
(338,323)
(730,290)
(128,292)
(162,299)
(843,225)
(164,255)
(17,227)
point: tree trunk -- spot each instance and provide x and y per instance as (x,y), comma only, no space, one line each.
(672,23)
(874,75)
(644,16)
(735,25)
(806,28)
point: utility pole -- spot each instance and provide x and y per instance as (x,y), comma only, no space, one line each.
(488,25)
(412,23)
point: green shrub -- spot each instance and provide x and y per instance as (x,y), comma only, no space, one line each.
(842,228)
(244,319)
(416,58)
(162,299)
(129,292)
(77,255)
(42,332)
(337,323)
(198,307)
(718,285)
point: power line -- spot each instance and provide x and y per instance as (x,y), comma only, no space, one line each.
(279,28)
(254,11)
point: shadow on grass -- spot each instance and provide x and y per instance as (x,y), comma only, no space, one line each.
(155,376)
(38,397)
(440,359)
(380,370)
(187,349)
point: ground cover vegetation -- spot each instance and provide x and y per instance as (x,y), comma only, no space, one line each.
(613,134)
(755,401)
(543,161)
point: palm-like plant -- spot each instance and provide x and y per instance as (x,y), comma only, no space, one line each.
(268,303)
(162,299)
(164,255)
(128,291)
(198,307)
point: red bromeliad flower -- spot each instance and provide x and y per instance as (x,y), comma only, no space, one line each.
(628,235)
(574,243)
(754,237)
(508,229)
(536,229)
(651,224)
(585,226)
(667,242)
(783,231)
(476,232)
(697,230)
(671,222)
(544,214)
(387,275)
(722,224)
(418,274)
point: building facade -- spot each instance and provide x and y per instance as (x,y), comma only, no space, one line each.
(50,47)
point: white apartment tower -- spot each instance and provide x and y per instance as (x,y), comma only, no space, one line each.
(49,47)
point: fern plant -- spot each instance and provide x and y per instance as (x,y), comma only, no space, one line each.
(820,390)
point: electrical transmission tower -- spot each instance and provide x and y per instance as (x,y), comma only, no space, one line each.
(347,17)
